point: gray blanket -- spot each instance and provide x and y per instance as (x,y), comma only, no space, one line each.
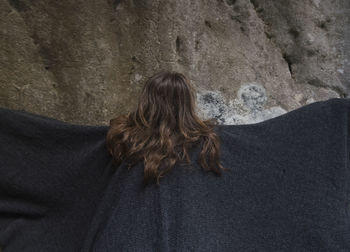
(287,188)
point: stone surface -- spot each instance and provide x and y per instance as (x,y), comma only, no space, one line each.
(85,62)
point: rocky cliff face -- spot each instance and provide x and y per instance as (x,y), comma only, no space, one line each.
(86,61)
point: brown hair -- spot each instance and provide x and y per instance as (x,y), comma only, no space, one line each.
(163,125)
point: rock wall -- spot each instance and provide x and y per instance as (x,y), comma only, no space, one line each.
(85,62)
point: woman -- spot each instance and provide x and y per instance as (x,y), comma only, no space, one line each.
(164,126)
(283,184)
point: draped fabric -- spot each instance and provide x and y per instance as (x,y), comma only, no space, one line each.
(287,188)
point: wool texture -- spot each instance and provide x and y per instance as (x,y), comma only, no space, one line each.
(287,188)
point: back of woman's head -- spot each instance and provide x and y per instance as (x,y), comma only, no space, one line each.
(163,129)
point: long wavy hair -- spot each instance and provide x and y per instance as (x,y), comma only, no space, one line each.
(163,129)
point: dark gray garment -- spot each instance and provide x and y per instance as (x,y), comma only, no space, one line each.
(287,188)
